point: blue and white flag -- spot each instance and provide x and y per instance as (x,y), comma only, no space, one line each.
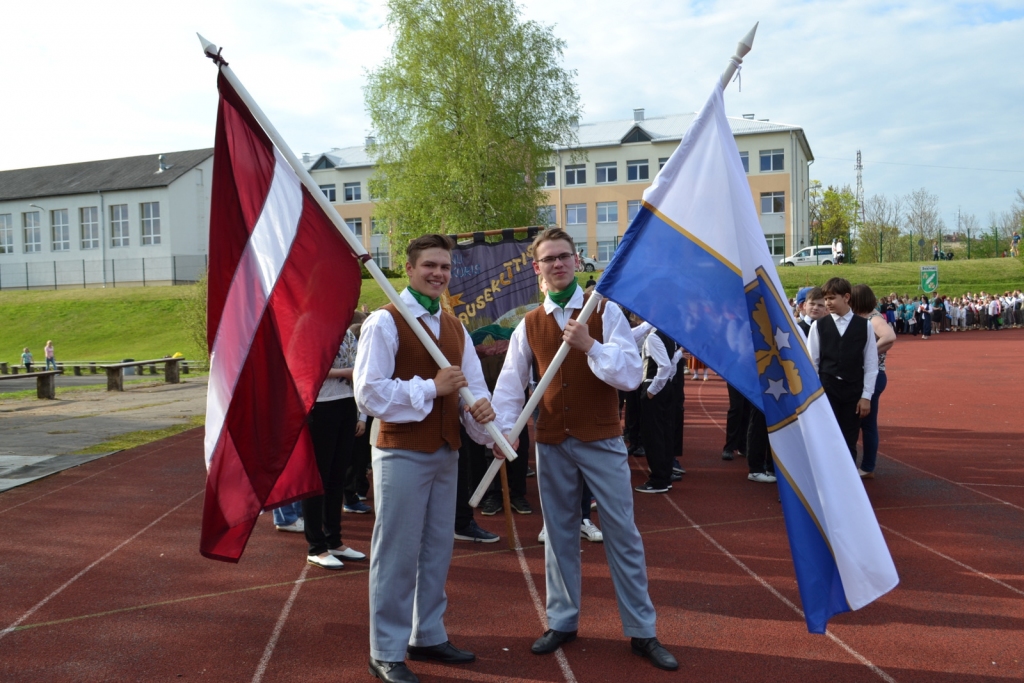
(695,264)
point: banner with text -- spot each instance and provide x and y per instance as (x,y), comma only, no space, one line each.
(489,279)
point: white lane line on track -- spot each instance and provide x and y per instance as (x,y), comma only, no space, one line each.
(279,626)
(771,589)
(954,483)
(954,561)
(79,481)
(82,573)
(563,661)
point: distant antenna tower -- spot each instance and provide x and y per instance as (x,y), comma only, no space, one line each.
(859,220)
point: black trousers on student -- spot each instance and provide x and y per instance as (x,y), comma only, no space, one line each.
(657,432)
(632,430)
(332,426)
(845,410)
(736,422)
(474,460)
(356,483)
(759,452)
(679,409)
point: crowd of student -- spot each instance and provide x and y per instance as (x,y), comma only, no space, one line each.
(972,311)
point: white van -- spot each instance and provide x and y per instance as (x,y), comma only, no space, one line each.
(820,255)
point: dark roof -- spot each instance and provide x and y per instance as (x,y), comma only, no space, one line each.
(129,173)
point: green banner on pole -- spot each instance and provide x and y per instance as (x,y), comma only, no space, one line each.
(929,279)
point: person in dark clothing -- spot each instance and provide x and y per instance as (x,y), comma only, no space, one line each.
(845,355)
(736,425)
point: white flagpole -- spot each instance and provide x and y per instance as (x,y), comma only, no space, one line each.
(742,48)
(357,247)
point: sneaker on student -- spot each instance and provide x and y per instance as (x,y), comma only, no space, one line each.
(542,537)
(530,472)
(491,506)
(727,455)
(866,475)
(677,468)
(521,505)
(358,508)
(648,487)
(593,503)
(471,532)
(761,477)
(296,527)
(589,531)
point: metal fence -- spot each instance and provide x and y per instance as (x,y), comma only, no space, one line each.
(122,272)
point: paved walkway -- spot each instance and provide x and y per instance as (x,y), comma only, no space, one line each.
(37,437)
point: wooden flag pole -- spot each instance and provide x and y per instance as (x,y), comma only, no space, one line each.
(213,52)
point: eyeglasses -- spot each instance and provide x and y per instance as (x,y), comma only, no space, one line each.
(565,258)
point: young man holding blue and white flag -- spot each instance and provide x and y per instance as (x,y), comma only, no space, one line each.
(697,239)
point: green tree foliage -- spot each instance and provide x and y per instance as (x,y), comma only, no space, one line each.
(879,238)
(467,109)
(193,320)
(836,214)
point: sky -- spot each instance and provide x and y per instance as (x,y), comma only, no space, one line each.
(929,91)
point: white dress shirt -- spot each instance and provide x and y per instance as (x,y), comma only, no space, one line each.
(398,400)
(615,361)
(654,349)
(640,333)
(870,350)
(676,358)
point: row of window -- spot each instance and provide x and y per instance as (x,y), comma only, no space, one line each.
(353,192)
(771,160)
(608,212)
(88,224)
(606,248)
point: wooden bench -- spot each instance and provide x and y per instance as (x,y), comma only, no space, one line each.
(46,385)
(4,369)
(115,371)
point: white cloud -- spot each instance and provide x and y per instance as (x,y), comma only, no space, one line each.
(928,83)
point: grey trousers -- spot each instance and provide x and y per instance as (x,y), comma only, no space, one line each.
(561,471)
(411,549)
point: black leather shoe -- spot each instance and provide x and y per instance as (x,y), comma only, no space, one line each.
(392,672)
(653,650)
(551,641)
(446,653)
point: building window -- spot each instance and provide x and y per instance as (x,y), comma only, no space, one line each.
(381,252)
(605,250)
(745,160)
(60,230)
(607,172)
(632,209)
(6,234)
(661,162)
(576,175)
(33,233)
(773,202)
(119,225)
(546,215)
(637,170)
(575,214)
(547,177)
(776,244)
(150,212)
(771,160)
(607,212)
(329,192)
(89,219)
(355,225)
(353,192)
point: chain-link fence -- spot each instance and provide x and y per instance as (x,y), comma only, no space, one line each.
(123,272)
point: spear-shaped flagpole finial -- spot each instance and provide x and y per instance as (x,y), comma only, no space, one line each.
(742,48)
(212,51)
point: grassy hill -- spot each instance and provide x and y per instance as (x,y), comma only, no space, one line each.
(146,322)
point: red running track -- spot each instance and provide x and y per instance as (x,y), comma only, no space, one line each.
(102,580)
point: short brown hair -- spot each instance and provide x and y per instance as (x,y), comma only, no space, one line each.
(424,242)
(836,285)
(862,299)
(553,235)
(815,294)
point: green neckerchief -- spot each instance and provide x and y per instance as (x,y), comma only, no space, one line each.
(562,298)
(432,305)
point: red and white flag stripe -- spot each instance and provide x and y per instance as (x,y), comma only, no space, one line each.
(283,284)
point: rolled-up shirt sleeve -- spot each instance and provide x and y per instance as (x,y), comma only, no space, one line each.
(376,392)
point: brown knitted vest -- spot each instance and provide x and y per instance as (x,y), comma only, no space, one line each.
(576,402)
(442,424)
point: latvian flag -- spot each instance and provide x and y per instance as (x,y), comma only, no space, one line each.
(283,284)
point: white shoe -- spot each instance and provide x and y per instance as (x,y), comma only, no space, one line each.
(347,553)
(761,477)
(590,532)
(296,527)
(542,537)
(329,562)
